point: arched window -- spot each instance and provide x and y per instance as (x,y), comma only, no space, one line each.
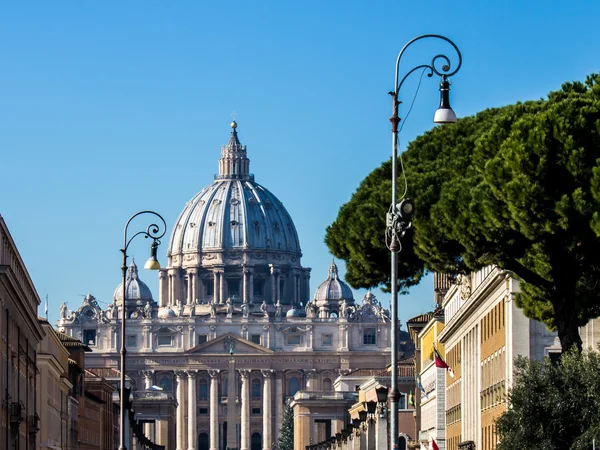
(165,383)
(256,441)
(255,389)
(293,386)
(327,386)
(203,389)
(203,442)
(225,387)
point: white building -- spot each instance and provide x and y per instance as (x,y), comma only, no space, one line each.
(234,282)
(484,332)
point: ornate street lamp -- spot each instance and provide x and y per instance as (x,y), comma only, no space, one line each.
(399,217)
(153,231)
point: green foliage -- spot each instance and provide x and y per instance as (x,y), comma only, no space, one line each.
(518,187)
(553,407)
(286,432)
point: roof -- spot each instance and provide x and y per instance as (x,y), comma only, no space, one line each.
(107,372)
(369,373)
(423,318)
(70,341)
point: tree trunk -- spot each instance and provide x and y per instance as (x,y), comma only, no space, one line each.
(565,317)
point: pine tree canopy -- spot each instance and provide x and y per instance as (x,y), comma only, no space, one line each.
(517,187)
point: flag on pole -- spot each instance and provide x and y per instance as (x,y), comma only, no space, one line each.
(46,307)
(434,446)
(439,362)
(420,386)
(411,399)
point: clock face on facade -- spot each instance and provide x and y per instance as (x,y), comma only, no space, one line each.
(89,313)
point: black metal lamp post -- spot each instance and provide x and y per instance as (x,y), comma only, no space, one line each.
(153,231)
(399,217)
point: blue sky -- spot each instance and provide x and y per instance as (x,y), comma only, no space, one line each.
(107,108)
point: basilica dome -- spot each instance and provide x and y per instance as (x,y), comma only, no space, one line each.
(136,291)
(233,214)
(333,289)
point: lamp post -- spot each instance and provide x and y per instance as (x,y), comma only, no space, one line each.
(399,217)
(153,231)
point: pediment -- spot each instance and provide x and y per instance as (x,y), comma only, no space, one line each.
(222,346)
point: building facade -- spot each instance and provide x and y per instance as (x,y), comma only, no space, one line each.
(234,333)
(53,387)
(484,332)
(20,333)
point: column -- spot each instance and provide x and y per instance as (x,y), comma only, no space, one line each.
(381,431)
(163,288)
(179,433)
(272,281)
(215,286)
(267,437)
(214,409)
(245,425)
(190,286)
(192,422)
(296,286)
(278,403)
(244,284)
(221,287)
(251,286)
(371,435)
(356,442)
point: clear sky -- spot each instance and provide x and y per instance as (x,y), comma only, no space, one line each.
(107,108)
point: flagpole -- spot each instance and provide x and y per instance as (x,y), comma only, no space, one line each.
(46,307)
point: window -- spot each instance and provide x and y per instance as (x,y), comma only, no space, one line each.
(294,339)
(256,411)
(259,287)
(327,386)
(209,287)
(202,338)
(225,387)
(255,389)
(369,336)
(255,338)
(203,390)
(203,411)
(89,337)
(293,386)
(165,341)
(233,285)
(131,341)
(402,401)
(327,339)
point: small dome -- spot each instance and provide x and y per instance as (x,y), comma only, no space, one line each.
(166,313)
(333,289)
(136,290)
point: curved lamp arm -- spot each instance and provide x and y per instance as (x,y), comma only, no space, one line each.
(444,71)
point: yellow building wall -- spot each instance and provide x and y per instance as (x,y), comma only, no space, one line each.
(428,340)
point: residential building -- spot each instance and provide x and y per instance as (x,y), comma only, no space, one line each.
(20,334)
(484,332)
(53,388)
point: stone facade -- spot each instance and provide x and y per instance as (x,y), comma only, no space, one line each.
(53,387)
(483,334)
(234,333)
(20,334)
